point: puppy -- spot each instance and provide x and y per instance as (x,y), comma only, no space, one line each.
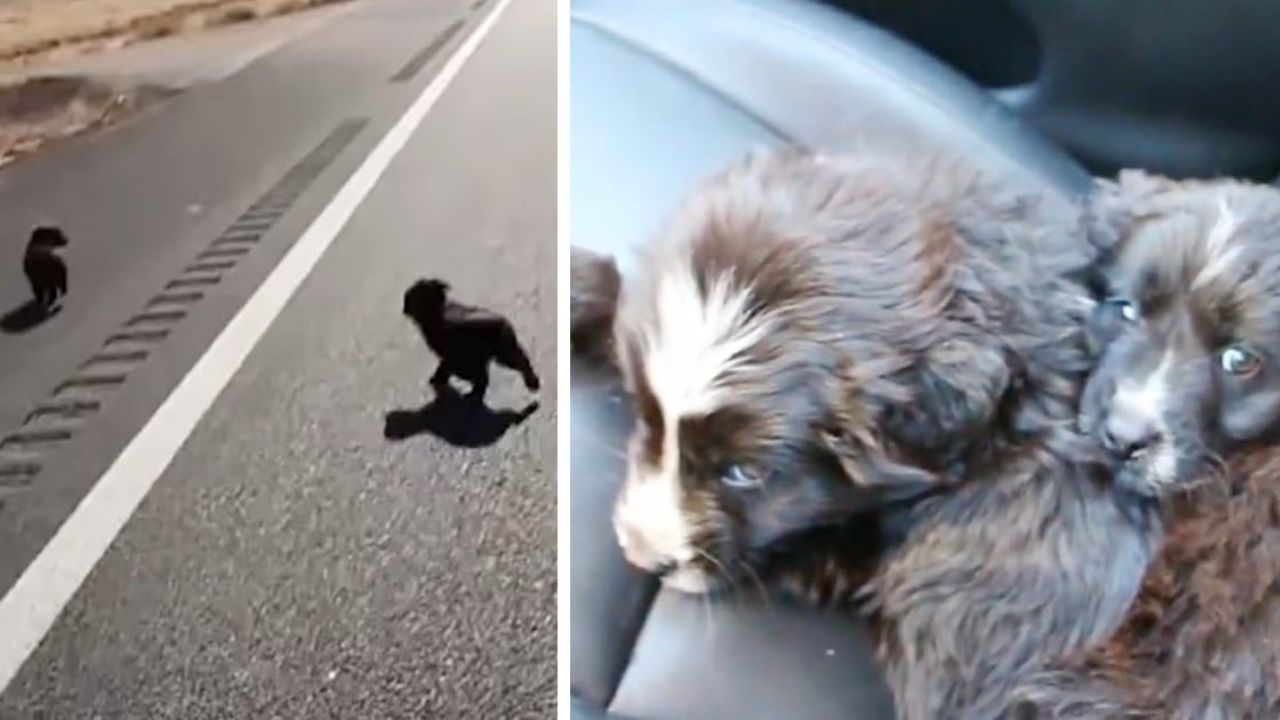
(466,339)
(1189,378)
(45,270)
(808,329)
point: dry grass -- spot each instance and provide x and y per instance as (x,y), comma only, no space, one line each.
(234,16)
(32,28)
(38,111)
(159,26)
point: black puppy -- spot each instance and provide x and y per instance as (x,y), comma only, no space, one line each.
(465,338)
(45,270)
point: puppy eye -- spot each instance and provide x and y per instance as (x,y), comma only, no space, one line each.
(1124,308)
(739,477)
(1240,361)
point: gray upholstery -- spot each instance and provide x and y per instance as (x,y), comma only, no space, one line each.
(1183,87)
(665,92)
(986,40)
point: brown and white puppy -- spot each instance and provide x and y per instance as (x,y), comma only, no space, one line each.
(808,327)
(810,330)
(1190,326)
(1190,376)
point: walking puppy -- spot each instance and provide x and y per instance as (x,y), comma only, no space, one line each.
(45,270)
(465,338)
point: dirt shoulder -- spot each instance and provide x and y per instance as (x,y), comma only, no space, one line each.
(31,29)
(37,109)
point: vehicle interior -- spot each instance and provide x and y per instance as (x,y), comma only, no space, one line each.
(666,92)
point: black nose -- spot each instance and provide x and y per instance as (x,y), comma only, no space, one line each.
(664,568)
(1125,438)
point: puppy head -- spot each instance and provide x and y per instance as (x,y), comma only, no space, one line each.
(46,236)
(425,298)
(796,346)
(1190,332)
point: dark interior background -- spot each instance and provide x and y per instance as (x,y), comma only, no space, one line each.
(1183,87)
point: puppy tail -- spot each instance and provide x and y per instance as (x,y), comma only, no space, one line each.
(594,285)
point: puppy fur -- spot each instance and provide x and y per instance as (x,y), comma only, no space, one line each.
(1200,641)
(465,338)
(1193,265)
(594,286)
(45,270)
(811,326)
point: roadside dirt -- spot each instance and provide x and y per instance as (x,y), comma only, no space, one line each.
(30,29)
(36,109)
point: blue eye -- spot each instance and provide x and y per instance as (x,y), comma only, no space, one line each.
(1125,309)
(1239,360)
(740,477)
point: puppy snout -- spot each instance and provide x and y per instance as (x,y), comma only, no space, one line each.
(1126,435)
(639,552)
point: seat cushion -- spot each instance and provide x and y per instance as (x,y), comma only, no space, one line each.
(664,93)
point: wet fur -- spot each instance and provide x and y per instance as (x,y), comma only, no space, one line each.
(466,339)
(932,331)
(45,270)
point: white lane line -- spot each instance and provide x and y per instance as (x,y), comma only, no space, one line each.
(35,600)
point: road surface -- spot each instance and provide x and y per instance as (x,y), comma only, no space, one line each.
(292,561)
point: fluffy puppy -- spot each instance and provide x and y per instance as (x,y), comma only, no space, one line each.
(810,328)
(465,338)
(45,270)
(1191,374)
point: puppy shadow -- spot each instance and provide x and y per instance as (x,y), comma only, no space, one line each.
(461,420)
(27,316)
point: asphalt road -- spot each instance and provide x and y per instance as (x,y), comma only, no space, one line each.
(293,561)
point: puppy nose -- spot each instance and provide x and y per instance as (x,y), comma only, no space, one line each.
(1124,437)
(638,552)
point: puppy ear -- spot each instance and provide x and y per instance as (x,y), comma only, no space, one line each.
(594,286)
(1113,206)
(866,456)
(956,394)
(868,465)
